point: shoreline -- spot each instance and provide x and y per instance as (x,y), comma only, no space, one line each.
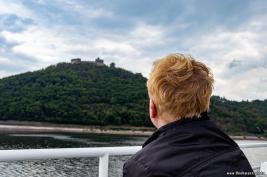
(41,129)
(44,127)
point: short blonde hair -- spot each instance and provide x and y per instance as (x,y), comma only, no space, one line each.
(180,85)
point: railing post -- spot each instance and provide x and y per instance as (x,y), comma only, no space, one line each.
(103,165)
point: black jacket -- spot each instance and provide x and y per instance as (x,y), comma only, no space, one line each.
(188,148)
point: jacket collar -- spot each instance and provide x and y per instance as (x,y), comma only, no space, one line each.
(155,135)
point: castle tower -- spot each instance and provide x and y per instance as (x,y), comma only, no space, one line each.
(99,62)
(75,61)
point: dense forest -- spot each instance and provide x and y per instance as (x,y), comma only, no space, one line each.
(105,95)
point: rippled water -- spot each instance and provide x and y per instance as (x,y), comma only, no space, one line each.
(79,167)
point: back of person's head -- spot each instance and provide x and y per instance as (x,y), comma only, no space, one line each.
(180,86)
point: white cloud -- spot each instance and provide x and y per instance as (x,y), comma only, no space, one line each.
(144,34)
(15,7)
(84,10)
(250,85)
(37,43)
(132,50)
(4,74)
(236,58)
(4,61)
(112,46)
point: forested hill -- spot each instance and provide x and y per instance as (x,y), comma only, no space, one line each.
(76,93)
(102,95)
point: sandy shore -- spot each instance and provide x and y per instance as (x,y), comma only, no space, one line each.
(41,127)
(25,128)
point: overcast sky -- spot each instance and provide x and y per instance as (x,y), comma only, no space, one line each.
(230,36)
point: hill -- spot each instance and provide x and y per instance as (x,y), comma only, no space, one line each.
(75,93)
(240,117)
(85,93)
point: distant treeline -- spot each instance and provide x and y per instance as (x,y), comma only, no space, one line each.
(101,95)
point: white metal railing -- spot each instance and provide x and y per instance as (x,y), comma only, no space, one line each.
(102,152)
(41,154)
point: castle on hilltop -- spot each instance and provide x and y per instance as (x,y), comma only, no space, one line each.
(98,61)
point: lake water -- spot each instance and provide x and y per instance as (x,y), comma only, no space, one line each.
(79,167)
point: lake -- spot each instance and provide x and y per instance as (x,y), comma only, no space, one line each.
(79,167)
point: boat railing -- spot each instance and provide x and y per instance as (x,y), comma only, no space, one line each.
(102,152)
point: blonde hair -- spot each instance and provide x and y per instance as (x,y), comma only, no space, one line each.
(180,85)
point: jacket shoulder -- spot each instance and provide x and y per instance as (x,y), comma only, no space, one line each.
(134,168)
(231,162)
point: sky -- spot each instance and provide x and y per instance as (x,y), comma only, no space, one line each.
(229,36)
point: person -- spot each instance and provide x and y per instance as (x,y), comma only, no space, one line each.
(186,143)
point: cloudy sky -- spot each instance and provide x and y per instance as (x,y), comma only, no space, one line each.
(230,36)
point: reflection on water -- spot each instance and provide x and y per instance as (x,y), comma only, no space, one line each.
(80,167)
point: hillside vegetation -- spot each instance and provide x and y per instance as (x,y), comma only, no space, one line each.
(100,95)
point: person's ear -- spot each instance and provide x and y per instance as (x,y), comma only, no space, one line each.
(153,109)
